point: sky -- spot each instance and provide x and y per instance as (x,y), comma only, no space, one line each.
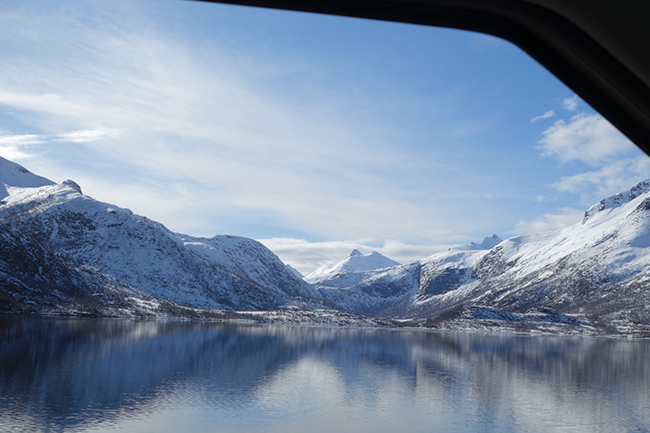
(312,134)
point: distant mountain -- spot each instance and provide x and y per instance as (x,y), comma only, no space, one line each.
(353,263)
(223,272)
(597,270)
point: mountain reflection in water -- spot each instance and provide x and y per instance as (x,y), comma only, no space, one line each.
(61,375)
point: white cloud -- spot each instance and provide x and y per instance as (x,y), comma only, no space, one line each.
(21,140)
(586,137)
(565,218)
(570,104)
(546,115)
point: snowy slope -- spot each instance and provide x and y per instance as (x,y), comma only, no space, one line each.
(220,272)
(353,263)
(12,174)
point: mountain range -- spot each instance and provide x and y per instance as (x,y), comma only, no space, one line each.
(63,252)
(594,273)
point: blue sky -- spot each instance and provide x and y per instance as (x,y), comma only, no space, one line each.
(313,134)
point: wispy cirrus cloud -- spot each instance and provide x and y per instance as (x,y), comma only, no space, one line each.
(86,136)
(209,133)
(10,140)
(138,109)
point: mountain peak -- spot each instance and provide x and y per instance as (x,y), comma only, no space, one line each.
(354,262)
(491,241)
(12,174)
(617,199)
(72,184)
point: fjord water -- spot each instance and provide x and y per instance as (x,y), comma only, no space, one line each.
(100,375)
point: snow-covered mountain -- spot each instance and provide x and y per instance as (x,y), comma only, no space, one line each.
(63,252)
(221,272)
(353,263)
(597,269)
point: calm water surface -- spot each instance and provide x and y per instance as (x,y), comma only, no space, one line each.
(69,375)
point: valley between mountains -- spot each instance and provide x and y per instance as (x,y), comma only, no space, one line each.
(64,253)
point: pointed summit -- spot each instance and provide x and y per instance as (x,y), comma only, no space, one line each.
(354,262)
